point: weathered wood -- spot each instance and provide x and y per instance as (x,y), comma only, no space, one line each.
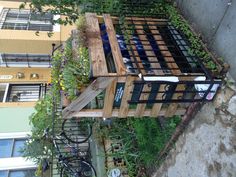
(115,112)
(95,45)
(109,99)
(124,107)
(156,108)
(144,96)
(136,55)
(117,56)
(96,87)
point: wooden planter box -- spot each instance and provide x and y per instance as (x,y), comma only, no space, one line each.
(146,73)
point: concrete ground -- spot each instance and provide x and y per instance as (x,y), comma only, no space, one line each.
(216,21)
(208,146)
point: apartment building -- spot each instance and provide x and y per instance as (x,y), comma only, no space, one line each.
(26,43)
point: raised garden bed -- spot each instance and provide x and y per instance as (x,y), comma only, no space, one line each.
(145,66)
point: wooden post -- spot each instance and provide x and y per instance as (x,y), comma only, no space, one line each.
(124,107)
(116,112)
(109,99)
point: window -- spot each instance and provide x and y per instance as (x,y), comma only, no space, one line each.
(3,91)
(11,147)
(25,92)
(18,173)
(25,60)
(21,19)
(21,92)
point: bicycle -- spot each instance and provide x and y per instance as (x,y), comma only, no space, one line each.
(72,159)
(76,131)
(72,162)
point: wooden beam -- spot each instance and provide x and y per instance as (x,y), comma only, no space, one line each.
(115,112)
(124,107)
(116,53)
(95,45)
(96,87)
(109,99)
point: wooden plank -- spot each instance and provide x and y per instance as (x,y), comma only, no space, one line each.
(165,52)
(148,51)
(156,108)
(139,64)
(96,87)
(144,96)
(95,46)
(116,53)
(109,99)
(124,107)
(115,112)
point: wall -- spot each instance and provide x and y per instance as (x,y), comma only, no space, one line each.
(23,41)
(44,75)
(15,119)
(216,21)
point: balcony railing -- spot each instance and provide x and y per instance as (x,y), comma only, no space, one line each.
(25,60)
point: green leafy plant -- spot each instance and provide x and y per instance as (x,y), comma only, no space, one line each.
(181,24)
(141,139)
(81,27)
(75,73)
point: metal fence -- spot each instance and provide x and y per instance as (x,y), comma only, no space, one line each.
(25,60)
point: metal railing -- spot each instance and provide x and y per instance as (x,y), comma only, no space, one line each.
(190,91)
(25,60)
(71,151)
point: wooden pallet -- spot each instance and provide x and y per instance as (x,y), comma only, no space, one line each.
(106,80)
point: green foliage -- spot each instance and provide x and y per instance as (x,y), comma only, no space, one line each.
(38,147)
(81,27)
(75,73)
(142,139)
(183,26)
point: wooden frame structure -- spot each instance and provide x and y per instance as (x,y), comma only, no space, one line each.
(144,66)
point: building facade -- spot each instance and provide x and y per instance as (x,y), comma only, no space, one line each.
(26,44)
(14,130)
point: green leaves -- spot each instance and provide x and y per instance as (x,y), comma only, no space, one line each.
(142,139)
(196,46)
